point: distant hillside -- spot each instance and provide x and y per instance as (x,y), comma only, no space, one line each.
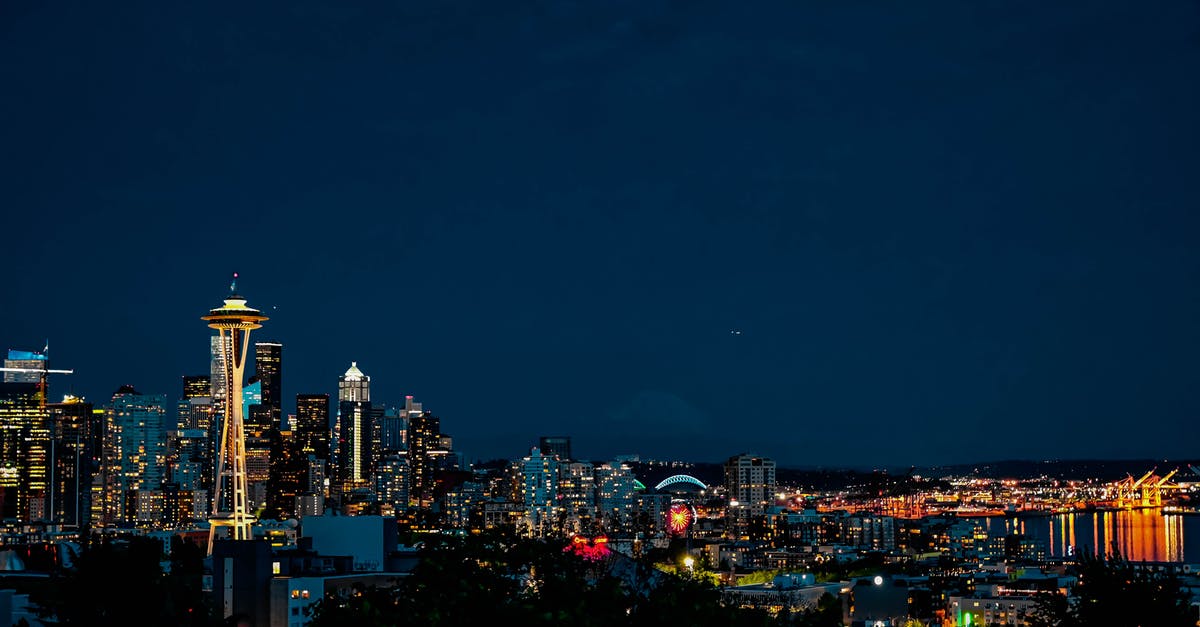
(1106,470)
(840,478)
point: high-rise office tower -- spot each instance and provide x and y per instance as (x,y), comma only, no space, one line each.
(268,367)
(30,361)
(354,430)
(556,446)
(219,346)
(375,453)
(424,441)
(197,386)
(190,472)
(288,475)
(134,458)
(24,450)
(26,445)
(411,409)
(251,394)
(258,468)
(76,427)
(194,413)
(312,432)
(257,419)
(354,445)
(354,385)
(310,452)
(391,431)
(233,322)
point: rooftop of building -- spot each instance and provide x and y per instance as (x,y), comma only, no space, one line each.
(353,373)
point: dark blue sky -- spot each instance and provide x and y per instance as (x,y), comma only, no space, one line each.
(948,231)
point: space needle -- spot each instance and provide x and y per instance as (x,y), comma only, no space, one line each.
(233,322)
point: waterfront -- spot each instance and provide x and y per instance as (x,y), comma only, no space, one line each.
(1142,535)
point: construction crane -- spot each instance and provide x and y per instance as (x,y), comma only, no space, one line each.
(1128,489)
(42,379)
(43,371)
(1152,492)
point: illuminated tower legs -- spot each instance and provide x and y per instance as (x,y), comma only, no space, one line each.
(233,322)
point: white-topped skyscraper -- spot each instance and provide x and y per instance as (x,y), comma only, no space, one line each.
(232,320)
(354,430)
(354,385)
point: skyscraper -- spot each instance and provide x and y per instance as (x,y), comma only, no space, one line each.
(194,413)
(76,431)
(750,481)
(614,492)
(556,446)
(24,450)
(268,367)
(391,482)
(354,430)
(258,468)
(539,490)
(311,435)
(219,347)
(197,386)
(424,440)
(354,385)
(134,458)
(577,485)
(750,484)
(190,473)
(251,394)
(391,431)
(27,360)
(354,445)
(310,452)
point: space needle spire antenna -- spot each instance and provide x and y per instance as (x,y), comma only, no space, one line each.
(233,322)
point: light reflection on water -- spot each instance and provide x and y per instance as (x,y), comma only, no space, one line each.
(1142,535)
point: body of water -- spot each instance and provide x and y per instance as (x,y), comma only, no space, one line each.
(1142,535)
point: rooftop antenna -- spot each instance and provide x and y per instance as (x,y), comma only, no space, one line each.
(233,284)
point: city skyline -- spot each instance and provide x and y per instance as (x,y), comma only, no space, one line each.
(879,235)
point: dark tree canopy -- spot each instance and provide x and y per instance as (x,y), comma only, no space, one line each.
(499,579)
(122,583)
(1116,593)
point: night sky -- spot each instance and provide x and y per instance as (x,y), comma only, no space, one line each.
(946,231)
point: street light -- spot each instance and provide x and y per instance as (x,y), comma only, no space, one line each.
(690,563)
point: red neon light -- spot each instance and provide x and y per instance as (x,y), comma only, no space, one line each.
(591,549)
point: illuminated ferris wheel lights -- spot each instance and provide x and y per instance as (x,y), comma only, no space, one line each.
(679,518)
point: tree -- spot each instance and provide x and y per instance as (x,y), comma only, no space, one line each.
(366,606)
(827,613)
(1113,592)
(122,583)
(499,578)
(184,585)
